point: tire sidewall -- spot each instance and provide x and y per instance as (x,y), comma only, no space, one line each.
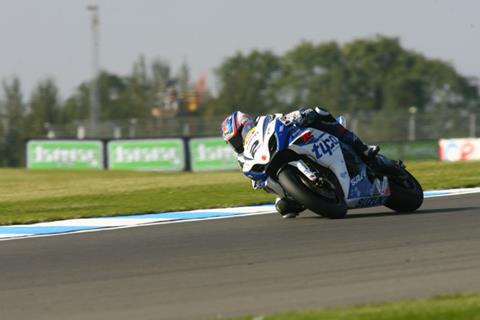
(403,199)
(290,181)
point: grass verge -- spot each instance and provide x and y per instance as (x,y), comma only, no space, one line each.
(458,307)
(32,196)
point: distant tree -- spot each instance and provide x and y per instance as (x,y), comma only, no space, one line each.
(383,75)
(140,92)
(2,138)
(14,132)
(245,83)
(113,100)
(183,78)
(44,108)
(371,74)
(312,75)
(77,106)
(123,97)
(161,80)
(113,96)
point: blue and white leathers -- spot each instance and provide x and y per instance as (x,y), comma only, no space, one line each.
(273,134)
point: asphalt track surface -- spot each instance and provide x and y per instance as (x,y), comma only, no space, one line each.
(249,265)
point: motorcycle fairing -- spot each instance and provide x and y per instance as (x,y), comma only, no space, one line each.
(362,188)
(259,154)
(325,149)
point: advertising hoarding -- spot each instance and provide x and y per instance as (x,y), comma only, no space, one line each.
(211,154)
(459,149)
(64,154)
(146,154)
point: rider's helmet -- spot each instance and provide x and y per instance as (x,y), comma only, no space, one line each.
(235,127)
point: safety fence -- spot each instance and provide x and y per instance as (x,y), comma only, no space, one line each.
(394,127)
(372,127)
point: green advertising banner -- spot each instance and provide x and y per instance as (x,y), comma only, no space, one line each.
(146,154)
(211,154)
(64,154)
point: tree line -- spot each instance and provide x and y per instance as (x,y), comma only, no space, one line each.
(374,74)
(365,75)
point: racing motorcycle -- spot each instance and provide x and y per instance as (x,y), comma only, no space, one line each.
(323,174)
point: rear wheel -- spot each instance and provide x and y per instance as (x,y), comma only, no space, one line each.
(326,199)
(406,194)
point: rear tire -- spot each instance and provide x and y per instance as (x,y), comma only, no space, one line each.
(332,207)
(406,195)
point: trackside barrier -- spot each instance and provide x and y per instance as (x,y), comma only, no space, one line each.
(146,154)
(65,154)
(195,154)
(207,154)
(459,149)
(178,154)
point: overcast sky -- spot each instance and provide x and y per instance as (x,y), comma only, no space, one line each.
(41,38)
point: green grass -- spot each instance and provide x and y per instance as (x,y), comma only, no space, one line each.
(441,175)
(28,196)
(457,307)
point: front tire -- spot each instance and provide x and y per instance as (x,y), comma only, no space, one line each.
(330,206)
(406,194)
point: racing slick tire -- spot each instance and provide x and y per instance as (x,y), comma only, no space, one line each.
(328,202)
(406,194)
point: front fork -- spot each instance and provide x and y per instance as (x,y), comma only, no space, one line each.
(305,170)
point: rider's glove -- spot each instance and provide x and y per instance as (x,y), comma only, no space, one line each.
(302,117)
(308,116)
(291,118)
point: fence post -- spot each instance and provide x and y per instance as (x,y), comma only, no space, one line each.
(186,129)
(80,132)
(132,128)
(117,132)
(411,123)
(473,124)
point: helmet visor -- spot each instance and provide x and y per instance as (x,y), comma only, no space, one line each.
(237,143)
(246,129)
(228,128)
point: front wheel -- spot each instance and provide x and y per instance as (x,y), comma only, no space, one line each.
(406,194)
(326,201)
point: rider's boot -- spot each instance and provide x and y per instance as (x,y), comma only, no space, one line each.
(288,208)
(371,152)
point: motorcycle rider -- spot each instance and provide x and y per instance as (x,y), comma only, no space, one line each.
(236,126)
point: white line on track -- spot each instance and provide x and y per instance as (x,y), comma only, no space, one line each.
(65,227)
